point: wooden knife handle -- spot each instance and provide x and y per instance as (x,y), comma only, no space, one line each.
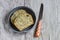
(37,32)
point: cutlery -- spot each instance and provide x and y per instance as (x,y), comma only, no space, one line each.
(27,9)
(39,23)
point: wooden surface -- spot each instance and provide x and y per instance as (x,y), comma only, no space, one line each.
(50,22)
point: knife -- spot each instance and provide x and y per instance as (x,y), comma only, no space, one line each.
(39,23)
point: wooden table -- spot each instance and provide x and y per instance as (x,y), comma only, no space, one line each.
(50,24)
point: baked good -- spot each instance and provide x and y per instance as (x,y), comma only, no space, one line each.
(21,19)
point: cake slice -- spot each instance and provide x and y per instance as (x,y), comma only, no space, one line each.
(21,19)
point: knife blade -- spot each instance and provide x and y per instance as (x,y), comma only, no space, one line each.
(39,23)
(40,12)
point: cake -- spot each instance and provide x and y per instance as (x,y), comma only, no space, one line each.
(22,19)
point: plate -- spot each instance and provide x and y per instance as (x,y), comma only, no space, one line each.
(29,10)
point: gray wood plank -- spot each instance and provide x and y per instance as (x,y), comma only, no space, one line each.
(49,20)
(5,31)
(58,21)
(57,36)
(58,11)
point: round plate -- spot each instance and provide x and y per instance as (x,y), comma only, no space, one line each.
(30,11)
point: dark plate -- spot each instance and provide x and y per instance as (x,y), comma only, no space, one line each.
(30,11)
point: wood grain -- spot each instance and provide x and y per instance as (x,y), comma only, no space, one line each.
(49,20)
(50,24)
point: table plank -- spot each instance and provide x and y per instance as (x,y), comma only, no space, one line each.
(58,21)
(57,36)
(5,32)
(49,20)
(58,11)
